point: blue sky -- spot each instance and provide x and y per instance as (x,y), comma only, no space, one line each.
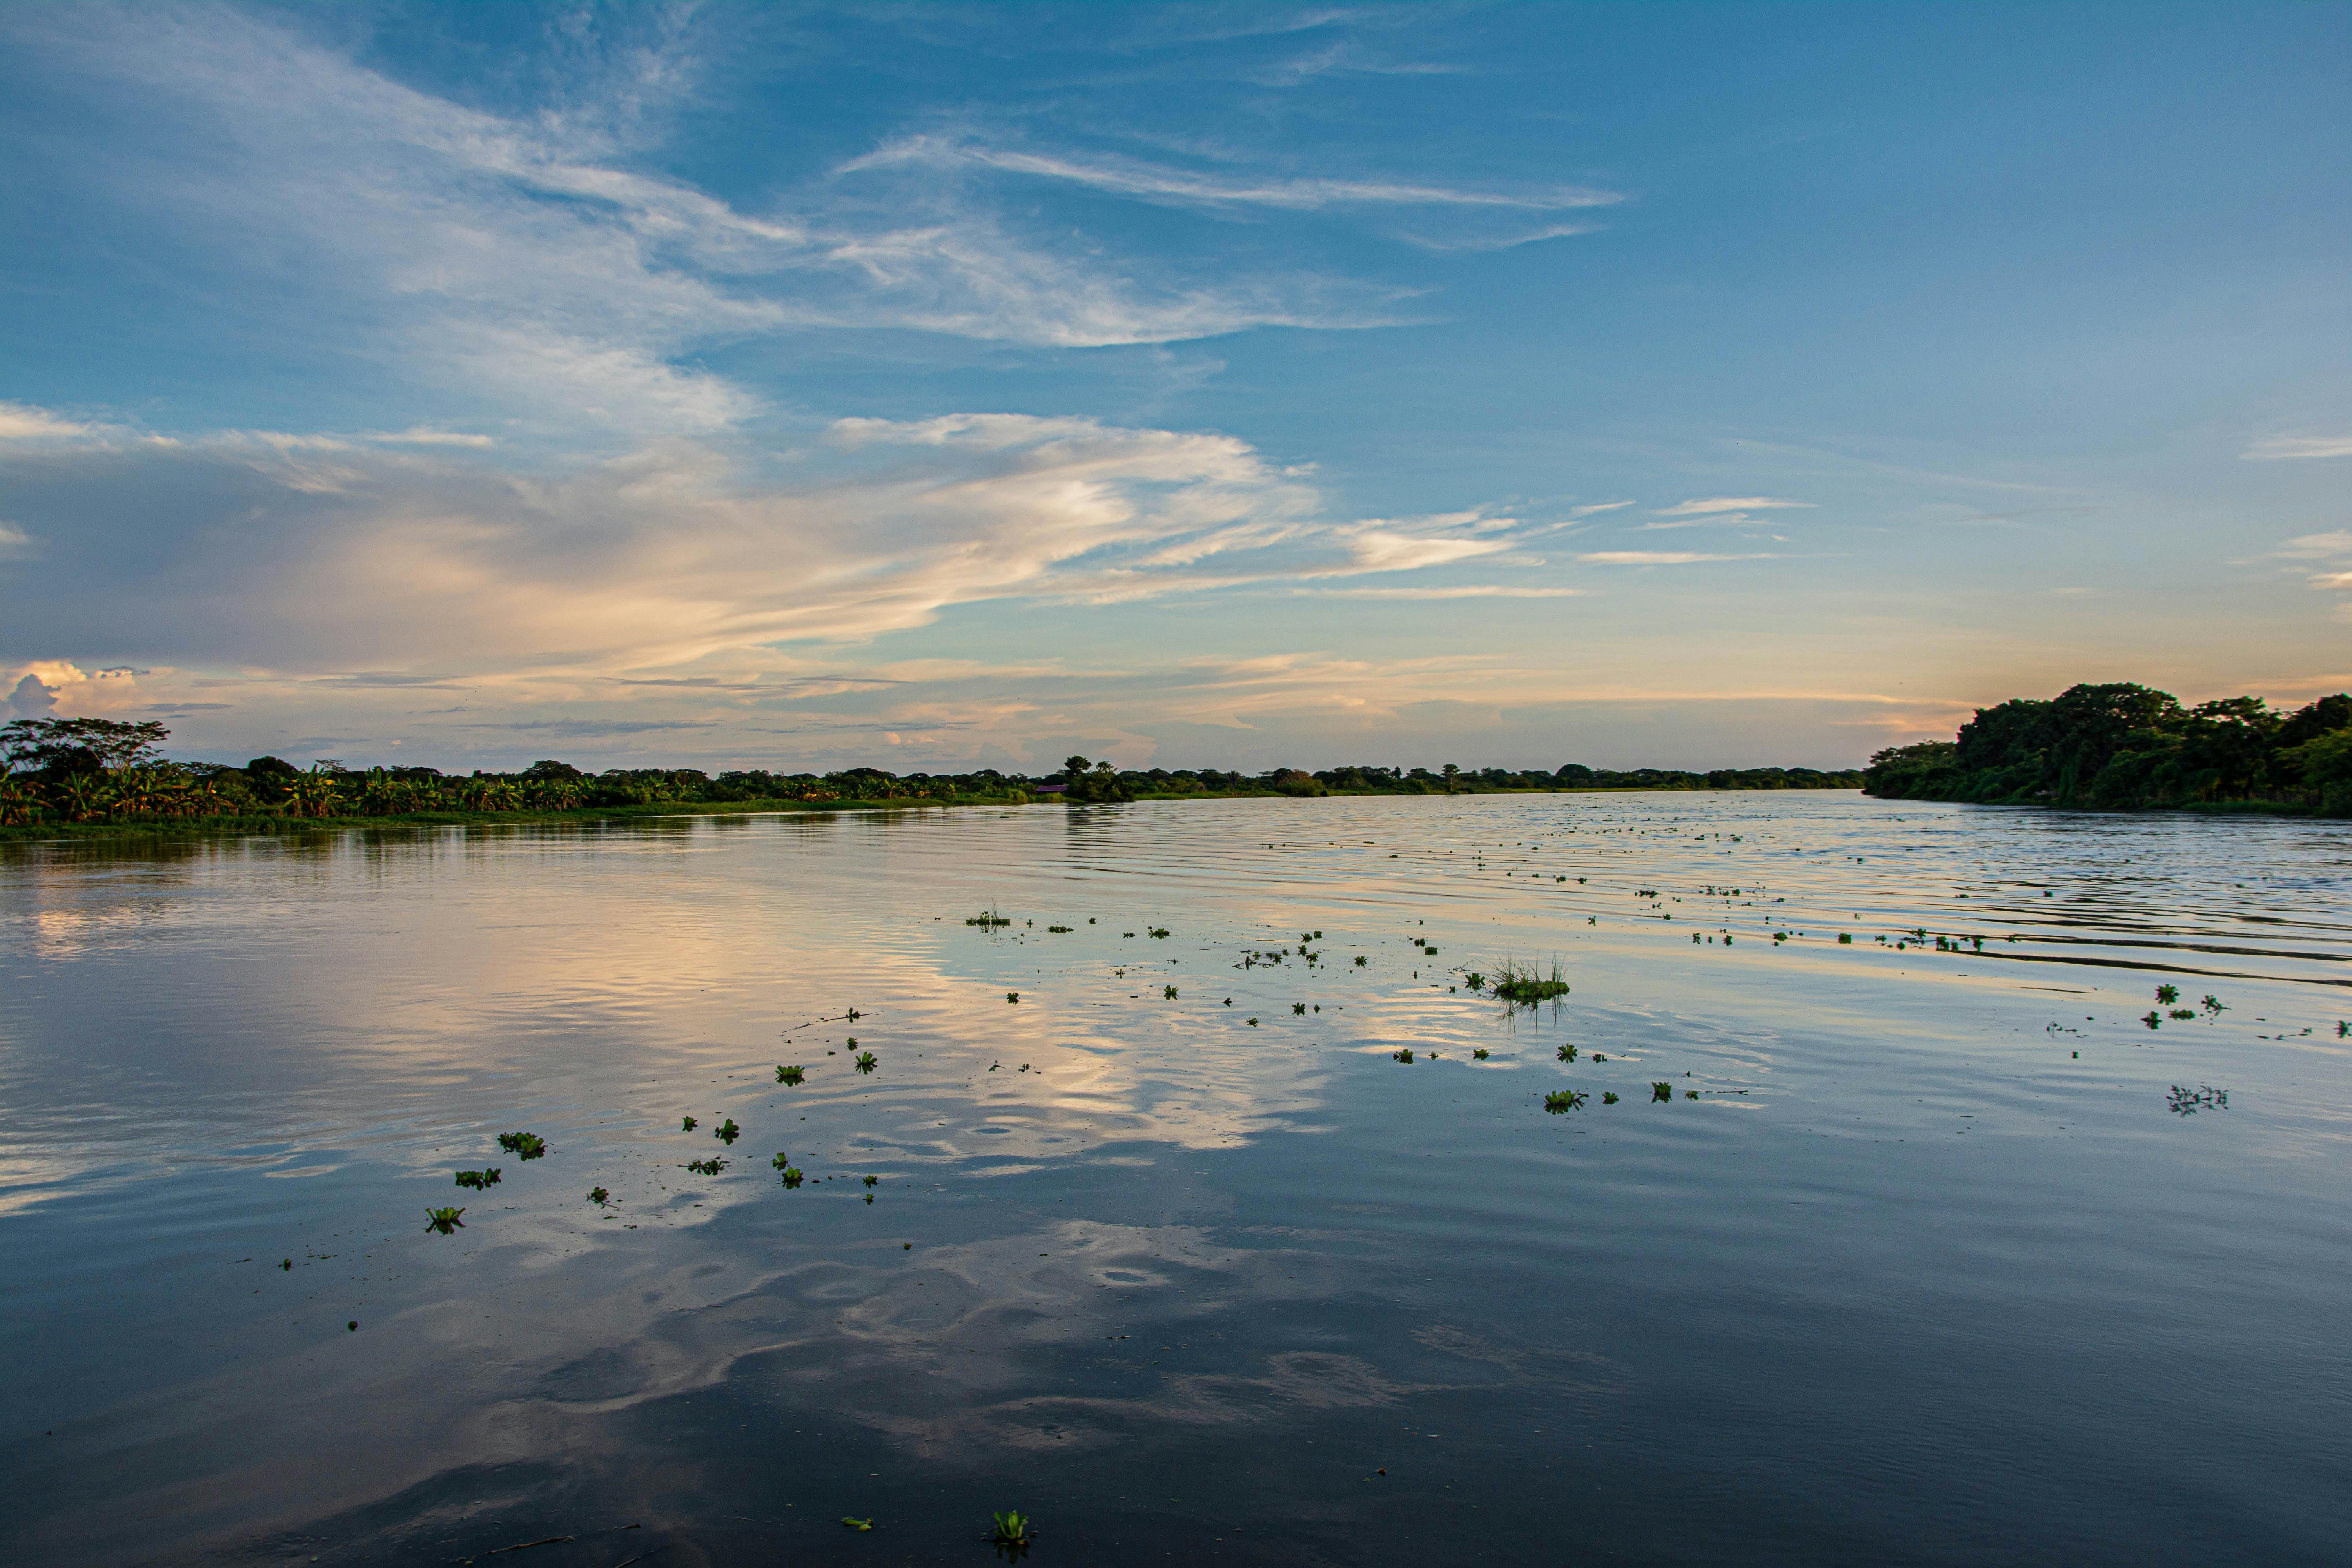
(1201,386)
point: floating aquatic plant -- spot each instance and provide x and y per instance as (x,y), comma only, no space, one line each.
(2213,1005)
(1474,981)
(524,1145)
(1013,996)
(783,1075)
(865,1062)
(1479,1052)
(1608,1097)
(1157,931)
(1168,992)
(1660,1091)
(1846,937)
(1403,1055)
(1059,931)
(856,1523)
(710,1167)
(599,1197)
(791,1176)
(1526,985)
(478,1180)
(1566,1053)
(871,1180)
(2150,1018)
(1011,1528)
(2184,1101)
(1690,1094)
(991,919)
(727,1131)
(1561,1099)
(689,1123)
(1360,961)
(442,1220)
(1299,1009)
(1251,1022)
(2167,994)
(2182,1013)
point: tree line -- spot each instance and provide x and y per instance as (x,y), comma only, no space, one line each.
(85,771)
(2124,747)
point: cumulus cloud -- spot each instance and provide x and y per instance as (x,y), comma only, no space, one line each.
(228,552)
(23,422)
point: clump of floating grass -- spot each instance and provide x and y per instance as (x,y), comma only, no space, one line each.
(1526,985)
(1059,931)
(794,1074)
(524,1145)
(599,1197)
(478,1180)
(1251,1022)
(1690,1094)
(2182,1013)
(710,1167)
(1360,961)
(444,1220)
(1013,996)
(727,1131)
(1402,1055)
(1566,1053)
(1299,1009)
(865,1062)
(1665,1092)
(989,917)
(1012,1532)
(1156,930)
(687,1124)
(1474,980)
(1479,1052)
(1608,1097)
(2213,1005)
(871,1180)
(1561,1099)
(2151,1019)
(2167,994)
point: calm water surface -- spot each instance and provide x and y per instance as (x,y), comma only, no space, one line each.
(1933,1256)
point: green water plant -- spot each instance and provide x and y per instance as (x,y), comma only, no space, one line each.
(1168,992)
(727,1131)
(2182,1013)
(1251,1022)
(442,1220)
(478,1180)
(1299,1009)
(1403,1054)
(871,1180)
(1474,980)
(599,1197)
(865,1062)
(857,1525)
(1659,1092)
(787,1075)
(1479,1052)
(1159,932)
(524,1145)
(1560,1100)
(2167,994)
(710,1167)
(1012,1527)
(1360,961)
(1526,985)
(1059,931)
(1608,1097)
(2213,1005)
(1566,1053)
(791,1176)
(687,1124)
(2151,1019)
(1013,996)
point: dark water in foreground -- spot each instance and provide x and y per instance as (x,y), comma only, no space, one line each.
(1909,1281)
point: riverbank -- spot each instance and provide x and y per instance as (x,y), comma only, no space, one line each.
(279,825)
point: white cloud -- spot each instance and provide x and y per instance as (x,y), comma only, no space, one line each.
(1657,557)
(1472,590)
(1597,508)
(1726,503)
(23,422)
(418,435)
(2275,448)
(1159,181)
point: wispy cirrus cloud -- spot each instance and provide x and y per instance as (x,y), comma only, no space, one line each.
(1726,503)
(2287,449)
(1166,183)
(1659,557)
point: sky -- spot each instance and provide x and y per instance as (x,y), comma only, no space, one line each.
(939,387)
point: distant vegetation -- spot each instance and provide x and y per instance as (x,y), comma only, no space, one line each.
(86,774)
(2129,748)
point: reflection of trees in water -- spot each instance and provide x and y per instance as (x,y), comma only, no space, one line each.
(2184,1101)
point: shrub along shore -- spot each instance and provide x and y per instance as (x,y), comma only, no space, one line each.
(2132,748)
(92,778)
